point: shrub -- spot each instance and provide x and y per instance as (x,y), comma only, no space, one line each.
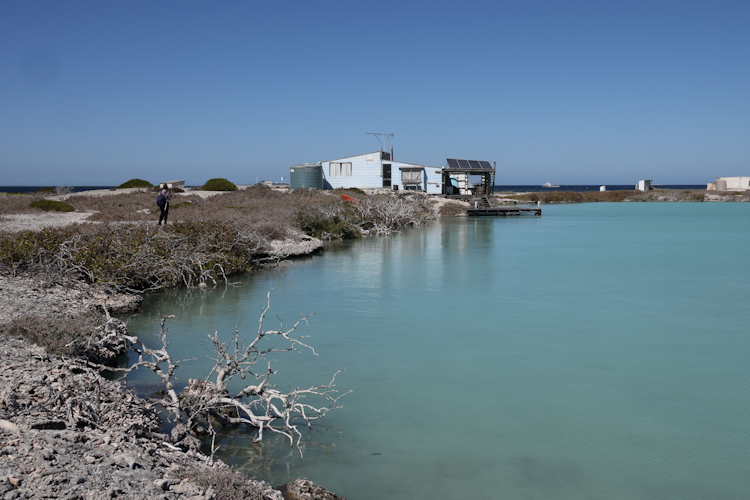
(135,183)
(46,190)
(63,336)
(326,224)
(227,484)
(219,184)
(452,210)
(690,196)
(47,205)
(348,191)
(132,257)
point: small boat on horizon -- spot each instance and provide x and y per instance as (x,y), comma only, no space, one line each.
(549,185)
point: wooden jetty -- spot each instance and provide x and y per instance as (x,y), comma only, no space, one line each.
(504,211)
(483,207)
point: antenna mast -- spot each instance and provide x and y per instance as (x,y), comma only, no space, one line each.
(381,135)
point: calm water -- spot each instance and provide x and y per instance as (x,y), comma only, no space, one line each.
(600,351)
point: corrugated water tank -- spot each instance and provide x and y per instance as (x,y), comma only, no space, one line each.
(306,175)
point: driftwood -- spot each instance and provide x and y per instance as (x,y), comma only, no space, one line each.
(204,403)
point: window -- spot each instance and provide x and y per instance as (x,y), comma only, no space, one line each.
(411,176)
(340,169)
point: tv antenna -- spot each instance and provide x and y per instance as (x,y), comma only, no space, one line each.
(381,135)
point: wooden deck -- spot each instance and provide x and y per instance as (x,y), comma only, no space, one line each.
(503,211)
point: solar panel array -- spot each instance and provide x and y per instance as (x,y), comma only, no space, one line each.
(468,165)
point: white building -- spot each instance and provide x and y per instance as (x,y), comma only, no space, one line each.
(732,184)
(643,185)
(378,170)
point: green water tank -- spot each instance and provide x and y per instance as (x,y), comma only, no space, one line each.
(306,175)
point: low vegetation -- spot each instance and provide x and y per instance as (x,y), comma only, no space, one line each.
(219,184)
(135,257)
(51,205)
(135,183)
(63,336)
(452,209)
(227,484)
(548,197)
(213,237)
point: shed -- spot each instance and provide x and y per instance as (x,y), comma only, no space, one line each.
(643,185)
(456,177)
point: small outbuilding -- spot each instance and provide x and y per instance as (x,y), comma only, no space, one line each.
(458,176)
(643,185)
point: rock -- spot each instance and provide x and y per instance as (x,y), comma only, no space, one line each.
(8,426)
(165,484)
(302,489)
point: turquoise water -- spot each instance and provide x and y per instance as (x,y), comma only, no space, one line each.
(600,351)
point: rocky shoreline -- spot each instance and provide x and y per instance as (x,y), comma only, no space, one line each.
(67,432)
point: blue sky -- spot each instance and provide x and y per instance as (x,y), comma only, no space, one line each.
(605,92)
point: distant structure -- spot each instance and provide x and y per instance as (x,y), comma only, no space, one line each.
(175,184)
(729,184)
(643,185)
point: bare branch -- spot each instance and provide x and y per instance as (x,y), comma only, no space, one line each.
(204,403)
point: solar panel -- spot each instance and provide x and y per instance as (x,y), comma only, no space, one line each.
(468,164)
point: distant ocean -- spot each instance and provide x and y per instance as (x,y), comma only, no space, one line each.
(517,189)
(593,187)
(34,189)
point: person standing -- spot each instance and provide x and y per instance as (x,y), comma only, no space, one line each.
(163,202)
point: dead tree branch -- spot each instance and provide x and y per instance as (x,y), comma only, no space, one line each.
(261,405)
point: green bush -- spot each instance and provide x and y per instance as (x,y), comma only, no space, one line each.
(135,183)
(47,205)
(219,185)
(348,191)
(46,190)
(326,226)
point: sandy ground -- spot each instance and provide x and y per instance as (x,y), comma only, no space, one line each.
(35,222)
(38,221)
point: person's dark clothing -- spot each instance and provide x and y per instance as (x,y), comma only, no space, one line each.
(165,209)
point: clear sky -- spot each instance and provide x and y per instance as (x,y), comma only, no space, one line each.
(601,92)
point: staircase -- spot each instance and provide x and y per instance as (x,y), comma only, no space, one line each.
(481,202)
